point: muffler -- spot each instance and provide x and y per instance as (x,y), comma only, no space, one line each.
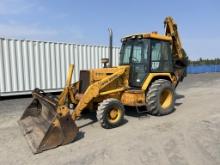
(46,125)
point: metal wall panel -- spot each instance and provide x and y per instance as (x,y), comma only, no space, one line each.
(25,64)
(196,69)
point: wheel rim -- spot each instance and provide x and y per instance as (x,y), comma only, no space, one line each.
(114,115)
(166,98)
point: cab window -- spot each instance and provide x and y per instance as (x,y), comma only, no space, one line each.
(134,51)
(161,60)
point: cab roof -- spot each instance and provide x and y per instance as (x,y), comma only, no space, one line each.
(153,35)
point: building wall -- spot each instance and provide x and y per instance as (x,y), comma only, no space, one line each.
(25,64)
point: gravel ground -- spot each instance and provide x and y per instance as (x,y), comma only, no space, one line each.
(190,135)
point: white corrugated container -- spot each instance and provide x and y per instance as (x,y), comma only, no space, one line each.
(25,64)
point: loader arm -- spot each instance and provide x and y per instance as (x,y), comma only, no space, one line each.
(68,93)
(93,91)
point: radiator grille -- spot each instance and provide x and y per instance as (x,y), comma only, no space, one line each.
(84,80)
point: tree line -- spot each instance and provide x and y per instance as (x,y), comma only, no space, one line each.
(202,61)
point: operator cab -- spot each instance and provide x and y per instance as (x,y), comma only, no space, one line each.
(146,53)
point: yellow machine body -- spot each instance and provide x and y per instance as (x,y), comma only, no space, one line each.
(119,88)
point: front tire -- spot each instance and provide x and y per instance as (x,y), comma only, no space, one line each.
(161,98)
(110,113)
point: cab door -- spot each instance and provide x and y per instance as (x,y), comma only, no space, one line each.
(138,63)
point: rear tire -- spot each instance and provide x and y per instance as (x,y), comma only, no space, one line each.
(161,98)
(110,113)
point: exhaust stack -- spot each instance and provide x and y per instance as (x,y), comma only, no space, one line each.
(110,46)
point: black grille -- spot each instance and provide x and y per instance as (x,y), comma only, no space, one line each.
(84,80)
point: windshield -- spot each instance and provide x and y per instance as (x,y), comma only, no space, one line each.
(134,51)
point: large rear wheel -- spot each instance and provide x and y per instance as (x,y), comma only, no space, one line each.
(110,113)
(161,98)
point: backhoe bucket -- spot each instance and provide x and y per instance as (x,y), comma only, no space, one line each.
(46,125)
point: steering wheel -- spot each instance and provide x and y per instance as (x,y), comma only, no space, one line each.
(134,59)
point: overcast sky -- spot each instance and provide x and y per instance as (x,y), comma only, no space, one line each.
(87,21)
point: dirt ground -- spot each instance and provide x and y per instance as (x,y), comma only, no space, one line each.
(190,135)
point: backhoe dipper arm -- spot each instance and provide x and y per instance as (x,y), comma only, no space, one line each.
(94,91)
(179,56)
(171,30)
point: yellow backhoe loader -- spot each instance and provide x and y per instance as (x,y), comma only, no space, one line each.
(151,66)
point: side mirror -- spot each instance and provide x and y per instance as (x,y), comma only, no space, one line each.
(105,61)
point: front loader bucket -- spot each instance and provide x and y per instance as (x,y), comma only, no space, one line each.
(46,125)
